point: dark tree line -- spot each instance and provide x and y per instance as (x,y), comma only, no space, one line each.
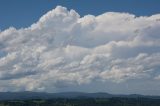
(85,102)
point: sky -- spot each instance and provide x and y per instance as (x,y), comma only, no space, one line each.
(69,45)
(22,13)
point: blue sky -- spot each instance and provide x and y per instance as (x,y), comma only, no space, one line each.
(80,45)
(22,13)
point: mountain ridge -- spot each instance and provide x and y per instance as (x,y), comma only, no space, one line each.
(26,95)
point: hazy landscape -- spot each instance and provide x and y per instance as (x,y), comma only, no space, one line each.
(75,99)
(84,102)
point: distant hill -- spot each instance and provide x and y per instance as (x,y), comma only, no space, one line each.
(43,95)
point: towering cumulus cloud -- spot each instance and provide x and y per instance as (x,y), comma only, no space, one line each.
(63,49)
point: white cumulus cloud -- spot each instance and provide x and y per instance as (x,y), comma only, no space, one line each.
(63,48)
